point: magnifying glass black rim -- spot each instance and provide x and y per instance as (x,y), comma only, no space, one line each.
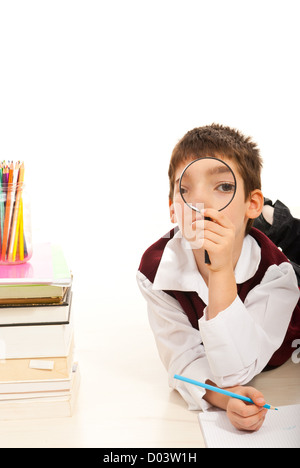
(199,159)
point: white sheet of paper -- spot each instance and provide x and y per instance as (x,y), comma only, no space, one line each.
(281,429)
(41,364)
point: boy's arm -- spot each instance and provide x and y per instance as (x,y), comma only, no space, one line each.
(219,238)
(222,291)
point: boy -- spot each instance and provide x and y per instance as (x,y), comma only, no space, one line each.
(221,323)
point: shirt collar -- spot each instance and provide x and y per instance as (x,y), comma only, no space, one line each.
(178,270)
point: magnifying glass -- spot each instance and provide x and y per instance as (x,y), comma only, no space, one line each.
(207,182)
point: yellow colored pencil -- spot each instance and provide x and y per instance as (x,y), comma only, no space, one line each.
(17,234)
(21,235)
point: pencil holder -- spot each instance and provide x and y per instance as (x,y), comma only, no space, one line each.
(15,224)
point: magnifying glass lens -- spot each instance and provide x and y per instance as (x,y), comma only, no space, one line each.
(207,183)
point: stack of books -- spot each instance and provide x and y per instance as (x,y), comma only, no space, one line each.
(38,375)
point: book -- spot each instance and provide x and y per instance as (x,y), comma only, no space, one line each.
(47,405)
(43,280)
(34,294)
(34,313)
(47,266)
(28,375)
(42,394)
(26,387)
(281,429)
(36,341)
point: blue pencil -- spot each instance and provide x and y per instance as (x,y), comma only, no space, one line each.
(220,390)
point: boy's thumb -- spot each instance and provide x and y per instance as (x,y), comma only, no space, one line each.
(257,397)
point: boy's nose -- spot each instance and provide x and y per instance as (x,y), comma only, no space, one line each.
(203,198)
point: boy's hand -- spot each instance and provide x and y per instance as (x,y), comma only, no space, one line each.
(244,416)
(218,239)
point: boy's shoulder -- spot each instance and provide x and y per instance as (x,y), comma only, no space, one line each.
(151,258)
(270,253)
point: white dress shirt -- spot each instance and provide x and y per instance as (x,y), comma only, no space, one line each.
(237,344)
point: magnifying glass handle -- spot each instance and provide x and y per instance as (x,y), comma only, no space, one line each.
(206,256)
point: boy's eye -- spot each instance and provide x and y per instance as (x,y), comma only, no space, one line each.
(226,187)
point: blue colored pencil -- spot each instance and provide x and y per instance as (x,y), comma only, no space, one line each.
(220,390)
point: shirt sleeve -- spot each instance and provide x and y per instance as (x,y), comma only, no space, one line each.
(240,340)
(284,231)
(179,345)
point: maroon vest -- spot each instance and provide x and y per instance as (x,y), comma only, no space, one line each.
(193,306)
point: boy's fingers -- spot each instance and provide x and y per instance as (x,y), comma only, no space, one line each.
(259,401)
(210,226)
(256,396)
(217,216)
(246,416)
(245,410)
(252,423)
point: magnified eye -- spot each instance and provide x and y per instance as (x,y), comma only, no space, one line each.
(226,187)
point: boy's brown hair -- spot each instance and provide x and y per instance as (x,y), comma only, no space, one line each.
(220,141)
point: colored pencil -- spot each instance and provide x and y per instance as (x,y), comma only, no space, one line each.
(220,390)
(1,206)
(13,246)
(17,232)
(13,231)
(21,233)
(7,212)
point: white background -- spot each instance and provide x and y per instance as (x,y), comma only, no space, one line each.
(95,94)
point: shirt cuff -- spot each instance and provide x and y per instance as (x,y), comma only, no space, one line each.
(192,394)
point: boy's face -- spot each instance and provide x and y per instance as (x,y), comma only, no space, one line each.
(237,211)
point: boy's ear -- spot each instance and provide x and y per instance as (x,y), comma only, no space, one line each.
(255,204)
(172,212)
